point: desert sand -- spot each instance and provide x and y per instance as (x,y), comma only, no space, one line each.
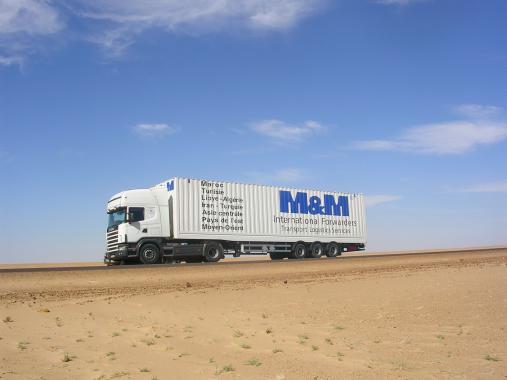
(410,317)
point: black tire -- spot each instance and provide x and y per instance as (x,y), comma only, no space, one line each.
(276,256)
(298,251)
(149,254)
(333,250)
(212,252)
(316,250)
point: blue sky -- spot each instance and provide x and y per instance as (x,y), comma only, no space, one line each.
(402,100)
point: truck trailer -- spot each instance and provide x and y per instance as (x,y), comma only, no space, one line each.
(195,220)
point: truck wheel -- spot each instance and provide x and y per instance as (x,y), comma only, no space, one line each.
(298,251)
(149,254)
(213,252)
(316,250)
(333,250)
(276,256)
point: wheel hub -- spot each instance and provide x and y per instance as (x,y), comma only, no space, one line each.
(149,254)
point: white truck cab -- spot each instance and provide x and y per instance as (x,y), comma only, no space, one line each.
(133,215)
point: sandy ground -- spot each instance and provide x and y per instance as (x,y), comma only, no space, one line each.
(412,317)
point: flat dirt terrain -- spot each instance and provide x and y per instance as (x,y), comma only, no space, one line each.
(440,315)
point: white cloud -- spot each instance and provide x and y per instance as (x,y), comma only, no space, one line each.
(398,2)
(154,130)
(114,24)
(477,111)
(22,23)
(180,15)
(14,60)
(441,138)
(283,132)
(490,187)
(4,155)
(28,16)
(373,200)
(288,175)
(114,41)
(130,17)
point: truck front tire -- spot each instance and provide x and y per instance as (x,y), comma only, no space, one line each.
(149,254)
(213,252)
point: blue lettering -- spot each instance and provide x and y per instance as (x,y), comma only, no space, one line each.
(297,206)
(314,207)
(341,208)
(301,204)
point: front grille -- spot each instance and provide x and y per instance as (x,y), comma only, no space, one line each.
(112,241)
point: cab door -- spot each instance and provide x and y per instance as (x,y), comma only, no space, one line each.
(136,229)
(143,222)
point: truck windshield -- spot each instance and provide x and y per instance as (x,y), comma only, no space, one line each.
(117,217)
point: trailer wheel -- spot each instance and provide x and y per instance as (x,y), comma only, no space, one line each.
(276,256)
(213,252)
(298,251)
(149,254)
(316,250)
(333,250)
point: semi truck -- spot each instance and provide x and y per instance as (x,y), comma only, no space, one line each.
(195,220)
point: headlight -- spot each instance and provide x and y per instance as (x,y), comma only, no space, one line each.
(122,249)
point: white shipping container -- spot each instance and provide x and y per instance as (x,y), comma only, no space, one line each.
(202,209)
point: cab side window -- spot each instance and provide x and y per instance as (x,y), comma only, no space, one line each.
(136,214)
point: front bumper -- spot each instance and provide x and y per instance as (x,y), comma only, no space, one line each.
(117,255)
